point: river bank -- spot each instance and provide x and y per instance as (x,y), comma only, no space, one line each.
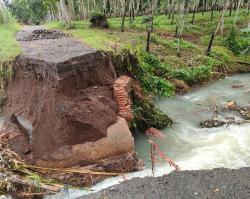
(195,150)
(217,183)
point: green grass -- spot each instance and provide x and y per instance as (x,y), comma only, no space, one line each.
(100,38)
(9,47)
(162,63)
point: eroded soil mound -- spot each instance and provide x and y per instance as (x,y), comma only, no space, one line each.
(65,90)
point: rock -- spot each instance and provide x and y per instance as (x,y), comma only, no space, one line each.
(237,86)
(15,135)
(196,194)
(154,133)
(211,123)
(99,21)
(231,105)
(248,115)
(181,86)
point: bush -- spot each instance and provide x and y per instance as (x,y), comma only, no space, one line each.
(231,41)
(158,86)
(144,67)
(98,19)
(153,78)
(221,53)
(206,60)
(147,115)
(193,75)
(146,19)
(244,45)
(236,42)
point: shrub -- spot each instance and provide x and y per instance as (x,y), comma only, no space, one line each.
(221,53)
(147,115)
(206,60)
(98,19)
(237,42)
(231,41)
(193,75)
(154,72)
(146,19)
(157,85)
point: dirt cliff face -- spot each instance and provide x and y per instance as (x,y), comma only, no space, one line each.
(66,91)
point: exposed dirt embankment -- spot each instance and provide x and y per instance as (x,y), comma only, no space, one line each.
(205,184)
(66,91)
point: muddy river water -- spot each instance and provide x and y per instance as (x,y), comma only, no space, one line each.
(190,146)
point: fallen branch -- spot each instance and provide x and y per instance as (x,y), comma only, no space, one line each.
(86,172)
(242,62)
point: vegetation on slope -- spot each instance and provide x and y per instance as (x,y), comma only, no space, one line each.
(179,36)
(162,64)
(9,49)
(156,69)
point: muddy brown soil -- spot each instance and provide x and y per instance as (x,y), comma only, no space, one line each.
(205,184)
(65,90)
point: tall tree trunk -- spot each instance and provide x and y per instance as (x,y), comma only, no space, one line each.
(237,12)
(138,3)
(194,12)
(176,32)
(65,13)
(209,48)
(60,17)
(2,10)
(124,8)
(248,7)
(214,2)
(230,8)
(172,15)
(148,40)
(220,23)
(180,26)
(153,5)
(203,7)
(104,7)
(235,5)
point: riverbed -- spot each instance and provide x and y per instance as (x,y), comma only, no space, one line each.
(188,145)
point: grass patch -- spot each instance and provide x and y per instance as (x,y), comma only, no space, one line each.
(162,64)
(9,47)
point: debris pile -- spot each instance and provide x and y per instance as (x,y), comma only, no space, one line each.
(41,34)
(153,132)
(21,181)
(237,86)
(243,111)
(211,123)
